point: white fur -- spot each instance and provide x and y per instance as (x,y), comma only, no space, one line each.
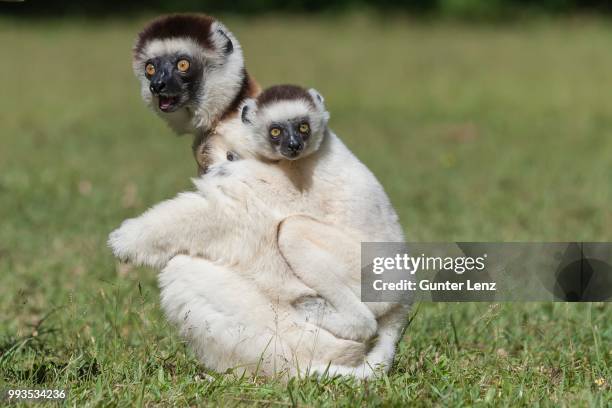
(284,110)
(232,325)
(222,82)
(244,288)
(158,48)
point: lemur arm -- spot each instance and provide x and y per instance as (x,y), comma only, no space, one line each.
(189,224)
(327,260)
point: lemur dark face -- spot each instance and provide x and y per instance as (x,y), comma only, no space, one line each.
(285,122)
(290,136)
(174,79)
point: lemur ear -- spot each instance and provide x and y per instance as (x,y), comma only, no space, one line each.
(222,38)
(247,111)
(317,98)
(319,102)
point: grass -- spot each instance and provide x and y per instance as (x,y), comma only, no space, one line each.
(477,133)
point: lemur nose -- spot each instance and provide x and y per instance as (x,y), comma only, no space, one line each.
(294,146)
(157,86)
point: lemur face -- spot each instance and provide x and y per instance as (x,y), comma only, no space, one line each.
(174,80)
(290,136)
(191,70)
(287,122)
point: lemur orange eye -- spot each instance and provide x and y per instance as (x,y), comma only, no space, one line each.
(304,128)
(183,65)
(150,69)
(275,132)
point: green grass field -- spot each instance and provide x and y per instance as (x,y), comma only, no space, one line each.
(477,133)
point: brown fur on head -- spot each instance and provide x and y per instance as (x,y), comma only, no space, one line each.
(211,87)
(194,26)
(286,92)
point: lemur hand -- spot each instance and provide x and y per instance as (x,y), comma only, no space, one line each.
(129,243)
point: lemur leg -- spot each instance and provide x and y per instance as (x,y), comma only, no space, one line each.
(380,358)
(390,329)
(232,325)
(327,260)
(209,304)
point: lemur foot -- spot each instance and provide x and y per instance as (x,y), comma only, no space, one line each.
(347,325)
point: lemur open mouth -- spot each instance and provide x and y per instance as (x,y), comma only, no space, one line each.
(168,103)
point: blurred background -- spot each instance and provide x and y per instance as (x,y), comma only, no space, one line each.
(484,120)
(482,9)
